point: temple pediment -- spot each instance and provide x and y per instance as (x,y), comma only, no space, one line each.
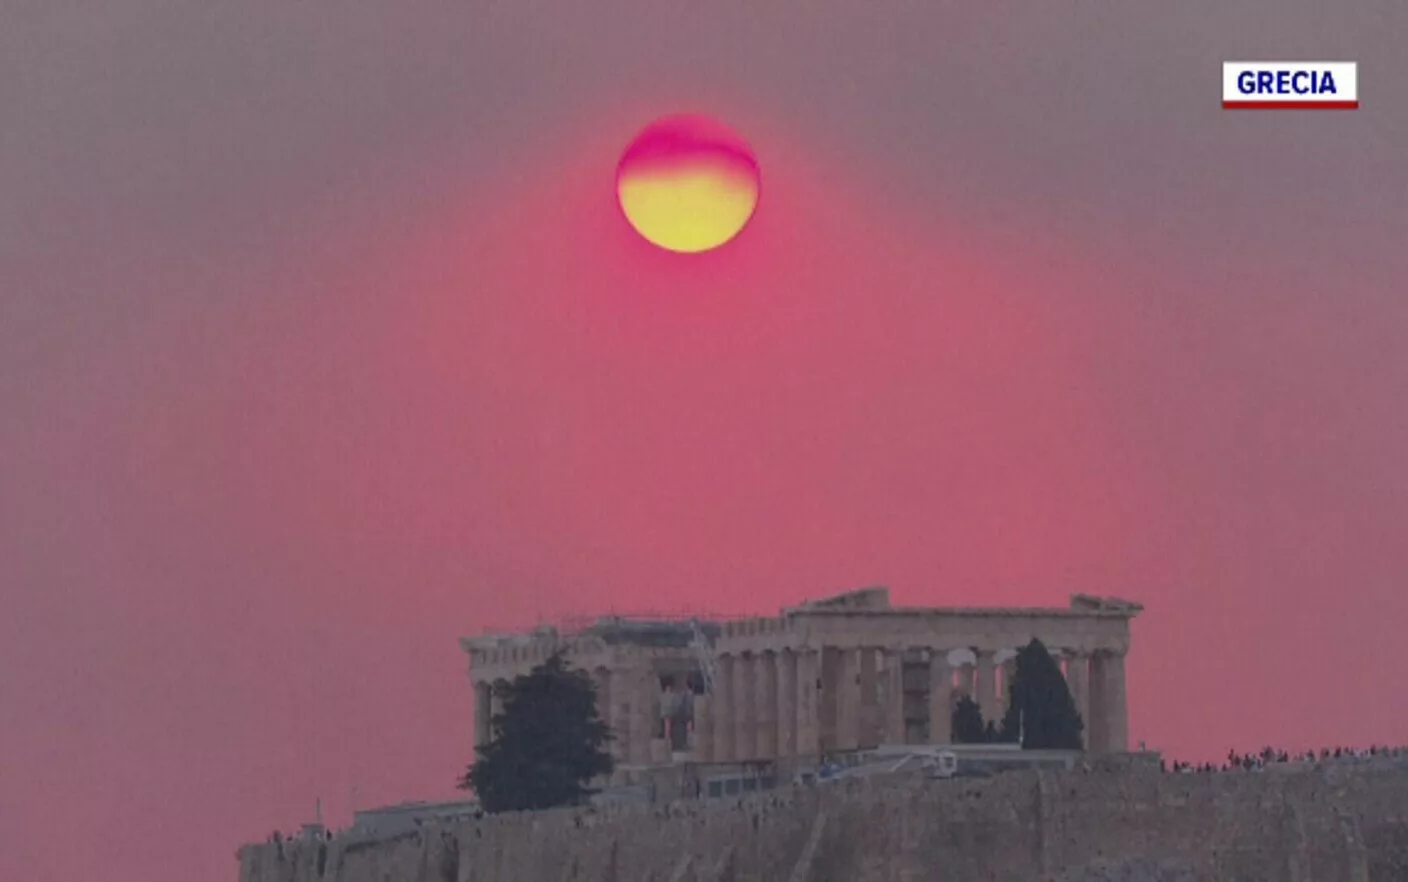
(877,597)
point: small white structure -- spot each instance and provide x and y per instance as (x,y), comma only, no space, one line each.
(390,820)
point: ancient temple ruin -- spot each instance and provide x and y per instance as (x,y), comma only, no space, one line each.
(845,673)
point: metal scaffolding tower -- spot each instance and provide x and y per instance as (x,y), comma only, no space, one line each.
(704,651)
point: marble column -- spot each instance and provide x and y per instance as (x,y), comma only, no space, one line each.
(620,721)
(808,664)
(1108,702)
(723,710)
(1098,741)
(829,697)
(645,716)
(1009,671)
(984,687)
(1078,679)
(1118,701)
(848,700)
(703,747)
(483,714)
(744,707)
(786,703)
(847,726)
(765,691)
(496,702)
(601,679)
(940,698)
(894,699)
(869,718)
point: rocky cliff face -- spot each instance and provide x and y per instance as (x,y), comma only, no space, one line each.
(1133,870)
(1288,824)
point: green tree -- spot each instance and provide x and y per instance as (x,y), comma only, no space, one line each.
(967,723)
(1040,710)
(548,741)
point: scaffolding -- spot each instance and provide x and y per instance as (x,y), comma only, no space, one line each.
(576,624)
(689,630)
(704,651)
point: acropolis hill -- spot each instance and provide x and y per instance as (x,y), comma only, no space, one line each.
(728,735)
(1335,822)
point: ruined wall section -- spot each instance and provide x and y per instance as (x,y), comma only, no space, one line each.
(1284,825)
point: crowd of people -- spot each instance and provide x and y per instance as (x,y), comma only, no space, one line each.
(320,834)
(1269,756)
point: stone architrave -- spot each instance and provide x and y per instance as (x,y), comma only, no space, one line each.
(787,703)
(894,699)
(744,707)
(940,698)
(722,710)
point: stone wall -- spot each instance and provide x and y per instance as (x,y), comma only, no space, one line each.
(1287,824)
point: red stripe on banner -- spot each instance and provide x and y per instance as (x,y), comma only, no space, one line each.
(1290,105)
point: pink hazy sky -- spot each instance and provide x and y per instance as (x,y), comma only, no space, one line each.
(322,344)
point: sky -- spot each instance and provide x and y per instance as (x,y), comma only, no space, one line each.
(323,343)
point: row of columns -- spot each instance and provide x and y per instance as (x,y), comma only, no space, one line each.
(628,700)
(807,702)
(487,704)
(762,707)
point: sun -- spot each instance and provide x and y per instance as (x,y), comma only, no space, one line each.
(688,183)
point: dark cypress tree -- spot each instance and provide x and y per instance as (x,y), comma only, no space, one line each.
(548,742)
(1040,710)
(967,723)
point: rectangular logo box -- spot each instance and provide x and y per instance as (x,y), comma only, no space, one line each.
(1290,85)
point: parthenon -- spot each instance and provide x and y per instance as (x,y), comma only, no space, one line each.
(843,673)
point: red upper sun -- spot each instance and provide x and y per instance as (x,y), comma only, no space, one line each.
(688,183)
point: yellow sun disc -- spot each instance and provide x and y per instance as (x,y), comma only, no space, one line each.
(688,184)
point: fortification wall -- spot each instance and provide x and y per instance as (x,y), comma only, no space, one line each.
(1288,824)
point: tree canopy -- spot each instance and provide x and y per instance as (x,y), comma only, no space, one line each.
(547,742)
(968,722)
(1040,710)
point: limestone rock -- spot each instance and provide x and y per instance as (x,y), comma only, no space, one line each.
(1133,870)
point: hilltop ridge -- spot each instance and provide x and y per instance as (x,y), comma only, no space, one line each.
(1324,821)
